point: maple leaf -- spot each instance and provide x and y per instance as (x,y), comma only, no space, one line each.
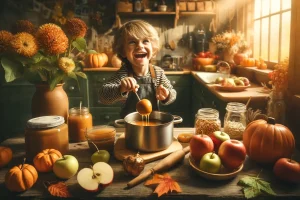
(59,189)
(165,184)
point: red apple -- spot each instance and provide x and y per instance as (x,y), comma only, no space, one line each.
(208,54)
(202,54)
(99,176)
(287,170)
(200,145)
(232,153)
(218,137)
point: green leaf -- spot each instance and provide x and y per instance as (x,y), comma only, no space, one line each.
(80,44)
(251,192)
(72,75)
(58,77)
(254,186)
(91,51)
(13,69)
(81,74)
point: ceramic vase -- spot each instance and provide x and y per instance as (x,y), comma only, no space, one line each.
(47,102)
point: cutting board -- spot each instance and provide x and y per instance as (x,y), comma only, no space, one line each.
(120,150)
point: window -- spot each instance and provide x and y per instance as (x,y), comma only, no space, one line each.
(272,25)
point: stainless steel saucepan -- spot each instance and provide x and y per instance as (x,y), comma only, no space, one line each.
(149,138)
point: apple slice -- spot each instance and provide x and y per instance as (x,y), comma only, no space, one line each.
(99,176)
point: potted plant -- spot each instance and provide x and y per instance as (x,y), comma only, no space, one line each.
(45,56)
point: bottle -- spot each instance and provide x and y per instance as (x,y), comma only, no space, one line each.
(80,120)
(138,6)
(276,107)
(207,121)
(235,120)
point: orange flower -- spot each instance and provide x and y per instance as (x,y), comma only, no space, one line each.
(24,44)
(52,39)
(24,26)
(76,28)
(5,38)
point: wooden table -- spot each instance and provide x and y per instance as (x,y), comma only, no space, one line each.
(193,186)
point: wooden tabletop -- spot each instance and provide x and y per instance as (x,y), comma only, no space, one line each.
(193,186)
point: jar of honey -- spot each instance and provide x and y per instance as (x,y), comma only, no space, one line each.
(80,120)
(46,132)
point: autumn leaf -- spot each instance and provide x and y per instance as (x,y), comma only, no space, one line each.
(59,189)
(165,184)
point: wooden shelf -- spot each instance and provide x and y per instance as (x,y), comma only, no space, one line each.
(129,14)
(202,13)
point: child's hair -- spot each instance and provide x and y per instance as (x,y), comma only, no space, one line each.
(137,29)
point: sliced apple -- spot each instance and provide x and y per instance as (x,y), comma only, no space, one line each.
(99,176)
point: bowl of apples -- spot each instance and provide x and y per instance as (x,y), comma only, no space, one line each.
(216,156)
(202,59)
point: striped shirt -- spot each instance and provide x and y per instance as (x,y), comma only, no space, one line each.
(110,93)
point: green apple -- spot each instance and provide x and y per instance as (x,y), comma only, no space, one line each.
(65,167)
(210,162)
(100,156)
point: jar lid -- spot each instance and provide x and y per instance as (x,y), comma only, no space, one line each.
(45,122)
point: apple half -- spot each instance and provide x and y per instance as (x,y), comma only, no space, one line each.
(98,176)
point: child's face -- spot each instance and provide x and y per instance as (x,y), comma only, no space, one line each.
(138,51)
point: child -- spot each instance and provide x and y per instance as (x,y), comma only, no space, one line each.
(136,43)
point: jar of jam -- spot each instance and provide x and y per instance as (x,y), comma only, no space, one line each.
(79,121)
(235,120)
(46,132)
(207,121)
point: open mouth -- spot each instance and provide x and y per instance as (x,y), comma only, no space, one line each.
(140,55)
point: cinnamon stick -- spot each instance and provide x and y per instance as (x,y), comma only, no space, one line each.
(164,164)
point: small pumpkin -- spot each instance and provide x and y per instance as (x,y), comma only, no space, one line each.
(5,155)
(134,165)
(21,177)
(44,160)
(266,141)
(96,60)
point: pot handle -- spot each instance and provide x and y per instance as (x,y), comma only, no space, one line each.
(177,119)
(120,123)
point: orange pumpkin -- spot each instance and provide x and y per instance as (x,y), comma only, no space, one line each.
(44,160)
(5,155)
(21,178)
(96,60)
(266,141)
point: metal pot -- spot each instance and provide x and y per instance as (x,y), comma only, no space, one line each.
(149,138)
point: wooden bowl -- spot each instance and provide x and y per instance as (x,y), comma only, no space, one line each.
(223,175)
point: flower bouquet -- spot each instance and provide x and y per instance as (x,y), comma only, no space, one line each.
(43,54)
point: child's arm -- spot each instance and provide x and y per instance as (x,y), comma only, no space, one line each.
(164,84)
(110,92)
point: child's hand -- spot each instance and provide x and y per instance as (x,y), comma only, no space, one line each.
(128,84)
(162,93)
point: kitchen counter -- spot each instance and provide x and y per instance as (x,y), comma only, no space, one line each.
(192,185)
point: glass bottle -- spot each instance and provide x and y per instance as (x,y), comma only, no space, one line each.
(138,6)
(79,121)
(235,120)
(276,106)
(207,121)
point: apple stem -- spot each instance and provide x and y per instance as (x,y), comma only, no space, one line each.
(211,156)
(88,139)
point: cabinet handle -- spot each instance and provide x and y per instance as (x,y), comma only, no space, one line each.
(173,82)
(107,117)
(101,80)
(71,88)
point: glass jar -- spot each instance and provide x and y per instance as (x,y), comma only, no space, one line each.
(79,121)
(46,132)
(235,120)
(276,106)
(207,121)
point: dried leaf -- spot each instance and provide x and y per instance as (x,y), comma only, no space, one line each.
(165,184)
(59,189)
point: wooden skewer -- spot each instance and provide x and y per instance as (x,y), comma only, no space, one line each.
(247,104)
(137,96)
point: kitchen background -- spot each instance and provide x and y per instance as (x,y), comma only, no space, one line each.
(184,31)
